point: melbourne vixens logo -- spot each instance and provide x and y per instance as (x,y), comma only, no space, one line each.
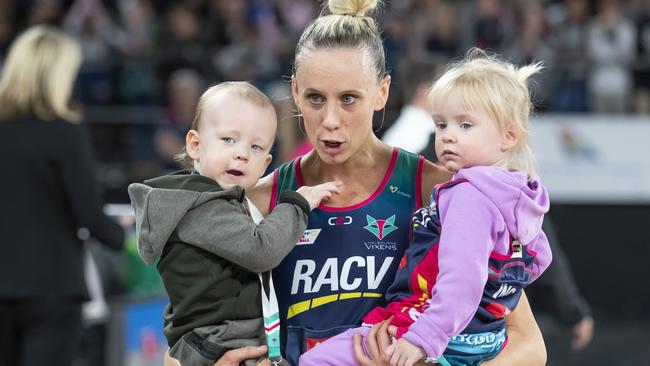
(380,228)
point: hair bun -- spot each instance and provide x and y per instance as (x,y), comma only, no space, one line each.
(352,7)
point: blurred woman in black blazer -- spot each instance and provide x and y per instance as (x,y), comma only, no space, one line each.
(47,194)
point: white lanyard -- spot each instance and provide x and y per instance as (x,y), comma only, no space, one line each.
(271,314)
(270,308)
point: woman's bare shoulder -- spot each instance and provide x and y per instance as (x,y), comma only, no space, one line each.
(432,174)
(261,193)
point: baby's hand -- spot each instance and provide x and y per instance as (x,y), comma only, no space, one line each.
(315,194)
(403,353)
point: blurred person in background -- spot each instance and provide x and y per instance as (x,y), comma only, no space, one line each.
(642,66)
(568,42)
(185,42)
(91,25)
(557,294)
(49,197)
(416,80)
(611,50)
(492,25)
(530,45)
(183,92)
(435,30)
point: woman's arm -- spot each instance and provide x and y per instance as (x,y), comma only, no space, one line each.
(525,342)
(261,194)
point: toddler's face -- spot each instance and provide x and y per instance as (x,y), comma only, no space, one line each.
(234,140)
(467,138)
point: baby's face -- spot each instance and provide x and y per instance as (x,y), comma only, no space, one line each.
(467,138)
(235,138)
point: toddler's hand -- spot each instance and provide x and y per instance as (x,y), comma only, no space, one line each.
(315,194)
(403,353)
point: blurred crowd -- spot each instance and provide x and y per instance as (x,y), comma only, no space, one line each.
(596,52)
(163,53)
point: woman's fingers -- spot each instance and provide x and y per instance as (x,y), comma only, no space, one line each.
(235,356)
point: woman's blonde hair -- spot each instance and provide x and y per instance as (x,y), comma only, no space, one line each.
(39,74)
(499,87)
(242,89)
(347,26)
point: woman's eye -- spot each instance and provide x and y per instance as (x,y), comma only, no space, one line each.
(228,140)
(348,99)
(257,148)
(315,99)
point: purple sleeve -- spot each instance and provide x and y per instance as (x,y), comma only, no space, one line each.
(470,225)
(543,256)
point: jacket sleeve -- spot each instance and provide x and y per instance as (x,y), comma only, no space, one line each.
(220,227)
(466,241)
(83,191)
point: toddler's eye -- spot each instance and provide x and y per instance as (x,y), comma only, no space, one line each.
(465,125)
(228,140)
(257,148)
(441,125)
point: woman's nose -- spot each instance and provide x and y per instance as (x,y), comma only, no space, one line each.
(331,120)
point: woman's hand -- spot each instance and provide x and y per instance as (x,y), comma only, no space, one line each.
(230,358)
(404,353)
(377,341)
(236,356)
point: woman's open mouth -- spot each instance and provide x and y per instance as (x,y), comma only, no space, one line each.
(332,146)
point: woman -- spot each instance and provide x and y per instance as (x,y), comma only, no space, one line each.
(349,254)
(48,194)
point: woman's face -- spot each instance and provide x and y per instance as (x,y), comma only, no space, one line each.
(337,92)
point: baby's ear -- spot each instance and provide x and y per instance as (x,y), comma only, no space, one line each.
(510,138)
(192,140)
(269,158)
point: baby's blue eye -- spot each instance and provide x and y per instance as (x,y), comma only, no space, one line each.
(465,125)
(257,148)
(228,140)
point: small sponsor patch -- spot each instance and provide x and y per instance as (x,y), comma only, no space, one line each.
(313,342)
(308,237)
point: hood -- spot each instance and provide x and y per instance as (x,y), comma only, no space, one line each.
(161,203)
(521,202)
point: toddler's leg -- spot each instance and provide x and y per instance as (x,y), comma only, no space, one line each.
(336,351)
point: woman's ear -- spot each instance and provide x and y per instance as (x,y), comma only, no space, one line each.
(192,140)
(294,90)
(382,97)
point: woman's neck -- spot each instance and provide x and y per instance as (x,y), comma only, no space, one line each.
(361,174)
(369,156)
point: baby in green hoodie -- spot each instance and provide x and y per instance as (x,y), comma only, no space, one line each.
(197,225)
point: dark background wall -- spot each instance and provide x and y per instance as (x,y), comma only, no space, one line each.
(608,247)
